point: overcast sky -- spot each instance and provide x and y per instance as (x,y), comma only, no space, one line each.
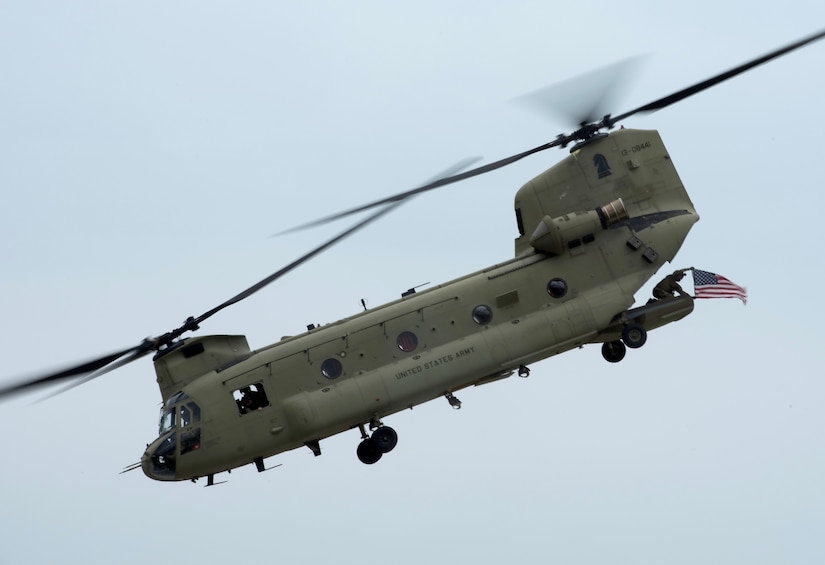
(149,150)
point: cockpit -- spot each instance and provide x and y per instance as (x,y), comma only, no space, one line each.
(179,433)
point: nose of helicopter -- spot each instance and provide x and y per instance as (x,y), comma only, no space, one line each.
(158,461)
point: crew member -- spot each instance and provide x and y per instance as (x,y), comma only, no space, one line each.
(669,286)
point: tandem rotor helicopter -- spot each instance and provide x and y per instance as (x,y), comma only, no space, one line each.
(593,229)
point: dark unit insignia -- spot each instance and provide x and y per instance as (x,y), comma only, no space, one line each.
(601,165)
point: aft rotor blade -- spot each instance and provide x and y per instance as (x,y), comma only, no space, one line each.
(585,98)
(447,173)
(713,81)
(300,261)
(86,368)
(443,181)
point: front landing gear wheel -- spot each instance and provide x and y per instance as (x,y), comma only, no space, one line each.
(369,451)
(634,336)
(613,351)
(385,438)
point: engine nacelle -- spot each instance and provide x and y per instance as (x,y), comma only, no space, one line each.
(554,235)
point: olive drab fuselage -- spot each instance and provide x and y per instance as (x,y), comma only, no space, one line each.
(594,228)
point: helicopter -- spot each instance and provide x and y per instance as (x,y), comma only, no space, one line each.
(593,229)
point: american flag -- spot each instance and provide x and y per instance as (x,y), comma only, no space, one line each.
(711,285)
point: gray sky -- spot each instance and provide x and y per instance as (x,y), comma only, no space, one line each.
(149,150)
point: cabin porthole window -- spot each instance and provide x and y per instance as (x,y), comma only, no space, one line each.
(482,314)
(407,341)
(332,368)
(557,288)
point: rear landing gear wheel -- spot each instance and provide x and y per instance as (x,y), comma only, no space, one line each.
(385,438)
(634,336)
(613,351)
(369,451)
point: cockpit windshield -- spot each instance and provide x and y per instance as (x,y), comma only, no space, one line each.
(168,413)
(180,434)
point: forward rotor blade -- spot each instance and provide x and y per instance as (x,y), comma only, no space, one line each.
(427,187)
(92,366)
(117,364)
(107,363)
(102,365)
(713,81)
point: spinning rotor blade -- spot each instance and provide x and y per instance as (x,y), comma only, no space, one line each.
(118,363)
(446,174)
(713,81)
(390,204)
(585,98)
(107,363)
(92,367)
(588,110)
(300,261)
(401,196)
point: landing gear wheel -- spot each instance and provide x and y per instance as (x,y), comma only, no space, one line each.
(634,336)
(369,451)
(613,351)
(385,438)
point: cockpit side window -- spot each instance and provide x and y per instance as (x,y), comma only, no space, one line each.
(190,413)
(190,436)
(250,398)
